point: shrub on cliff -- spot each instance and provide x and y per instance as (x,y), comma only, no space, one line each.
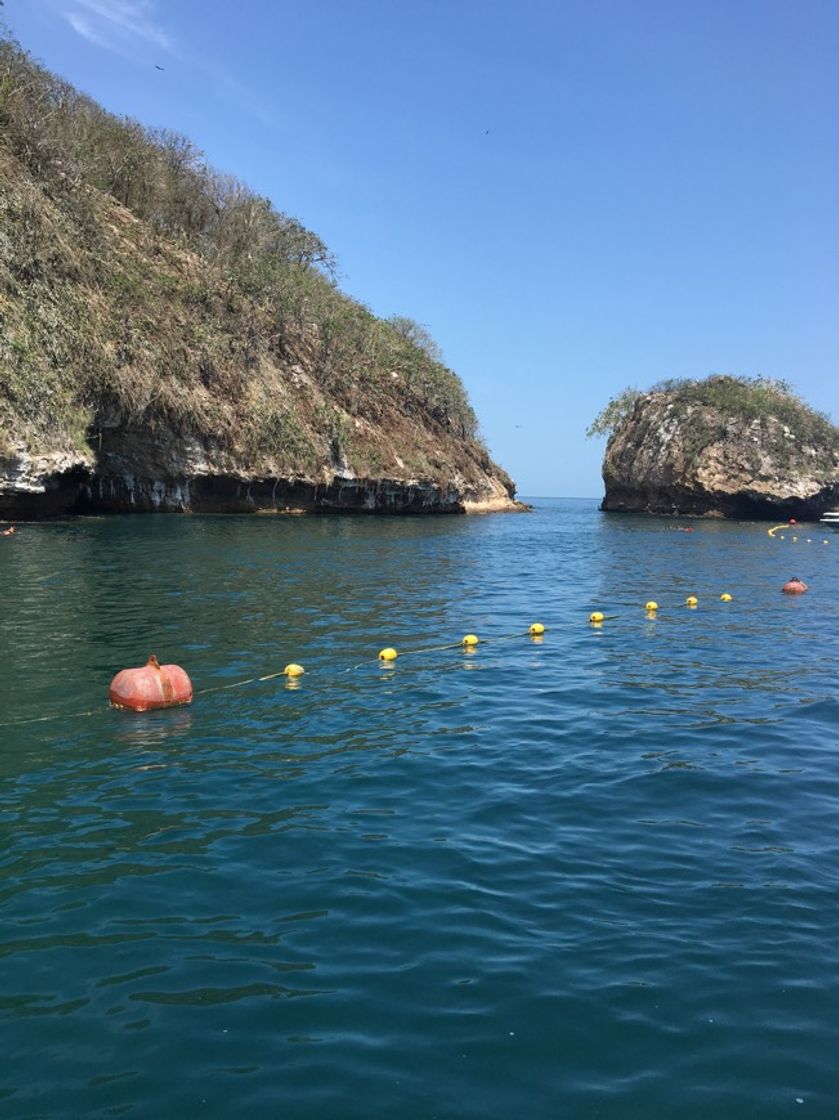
(613,413)
(743,398)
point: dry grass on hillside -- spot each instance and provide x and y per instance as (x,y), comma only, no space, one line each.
(139,287)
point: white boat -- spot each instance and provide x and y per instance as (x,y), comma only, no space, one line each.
(831,519)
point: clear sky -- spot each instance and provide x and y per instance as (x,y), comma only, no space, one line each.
(572,195)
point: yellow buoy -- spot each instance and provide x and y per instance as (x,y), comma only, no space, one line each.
(388,654)
(651,605)
(725,597)
(470,639)
(692,601)
(293,670)
(537,628)
(596,616)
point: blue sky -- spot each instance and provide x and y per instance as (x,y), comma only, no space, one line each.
(572,196)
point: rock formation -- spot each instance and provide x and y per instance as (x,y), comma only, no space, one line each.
(725,447)
(170,341)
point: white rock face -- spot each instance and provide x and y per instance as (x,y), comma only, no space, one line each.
(41,481)
(26,473)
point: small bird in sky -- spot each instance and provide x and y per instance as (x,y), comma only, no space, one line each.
(158,67)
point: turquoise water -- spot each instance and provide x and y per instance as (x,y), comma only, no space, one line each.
(592,876)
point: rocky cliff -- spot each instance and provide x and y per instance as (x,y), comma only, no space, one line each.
(170,341)
(724,446)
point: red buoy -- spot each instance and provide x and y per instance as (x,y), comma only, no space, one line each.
(794,586)
(153,686)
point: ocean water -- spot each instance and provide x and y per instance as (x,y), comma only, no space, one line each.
(595,875)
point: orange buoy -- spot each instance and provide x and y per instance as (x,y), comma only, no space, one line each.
(152,686)
(794,586)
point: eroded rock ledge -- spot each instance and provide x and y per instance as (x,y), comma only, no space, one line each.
(142,476)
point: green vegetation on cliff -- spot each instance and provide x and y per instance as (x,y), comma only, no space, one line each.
(706,408)
(139,287)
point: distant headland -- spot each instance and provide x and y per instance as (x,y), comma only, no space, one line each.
(171,341)
(724,446)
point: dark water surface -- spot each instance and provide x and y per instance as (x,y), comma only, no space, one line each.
(594,876)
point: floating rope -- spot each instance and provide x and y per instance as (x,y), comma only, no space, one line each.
(263,678)
(57,715)
(468,643)
(239,684)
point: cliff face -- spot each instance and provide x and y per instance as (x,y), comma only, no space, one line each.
(169,341)
(716,448)
(141,471)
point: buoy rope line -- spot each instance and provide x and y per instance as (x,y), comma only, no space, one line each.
(795,531)
(274,676)
(95,711)
(386,657)
(57,715)
(461,645)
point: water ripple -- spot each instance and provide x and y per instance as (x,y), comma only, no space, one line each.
(589,875)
